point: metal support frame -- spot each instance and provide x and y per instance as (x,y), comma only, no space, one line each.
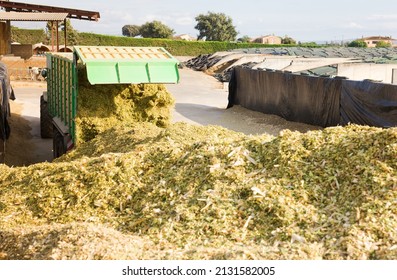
(55,33)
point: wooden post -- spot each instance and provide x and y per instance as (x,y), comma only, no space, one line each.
(64,31)
(57,32)
(8,30)
(52,36)
(394,76)
(3,39)
(7,37)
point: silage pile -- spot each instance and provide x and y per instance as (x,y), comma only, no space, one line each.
(100,107)
(188,192)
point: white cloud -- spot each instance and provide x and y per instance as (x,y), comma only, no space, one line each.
(355,25)
(155,17)
(127,18)
(117,16)
(184,20)
(382,23)
(175,21)
(383,17)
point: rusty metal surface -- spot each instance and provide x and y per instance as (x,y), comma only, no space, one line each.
(15,16)
(72,13)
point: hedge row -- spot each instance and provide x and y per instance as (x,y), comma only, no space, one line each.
(176,47)
(28,36)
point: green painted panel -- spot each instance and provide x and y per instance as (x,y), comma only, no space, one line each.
(102,73)
(133,73)
(114,65)
(163,72)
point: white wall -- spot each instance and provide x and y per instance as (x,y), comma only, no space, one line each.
(362,71)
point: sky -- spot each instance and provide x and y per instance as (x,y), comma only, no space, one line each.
(303,20)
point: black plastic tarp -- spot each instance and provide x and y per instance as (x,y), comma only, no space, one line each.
(369,103)
(298,98)
(314,100)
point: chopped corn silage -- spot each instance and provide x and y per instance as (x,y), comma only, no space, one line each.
(100,107)
(206,192)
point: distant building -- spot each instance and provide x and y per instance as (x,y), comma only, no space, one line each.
(268,39)
(373,40)
(40,49)
(185,37)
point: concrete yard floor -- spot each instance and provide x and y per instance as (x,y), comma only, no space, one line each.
(200,99)
(25,145)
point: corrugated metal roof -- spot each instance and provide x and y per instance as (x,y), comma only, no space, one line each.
(125,65)
(15,16)
(72,13)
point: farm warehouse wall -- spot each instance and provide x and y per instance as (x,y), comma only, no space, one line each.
(5,35)
(372,71)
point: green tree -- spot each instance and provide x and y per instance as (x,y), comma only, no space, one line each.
(215,27)
(288,40)
(308,44)
(357,44)
(131,30)
(71,34)
(244,39)
(383,44)
(156,29)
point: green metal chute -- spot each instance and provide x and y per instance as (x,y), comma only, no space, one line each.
(122,65)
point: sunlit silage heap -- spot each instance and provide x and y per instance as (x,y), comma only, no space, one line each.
(188,192)
(100,107)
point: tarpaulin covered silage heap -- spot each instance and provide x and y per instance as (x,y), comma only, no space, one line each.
(314,100)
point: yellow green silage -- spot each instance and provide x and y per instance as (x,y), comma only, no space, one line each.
(100,107)
(188,192)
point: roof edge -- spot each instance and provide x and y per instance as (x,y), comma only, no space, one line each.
(72,13)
